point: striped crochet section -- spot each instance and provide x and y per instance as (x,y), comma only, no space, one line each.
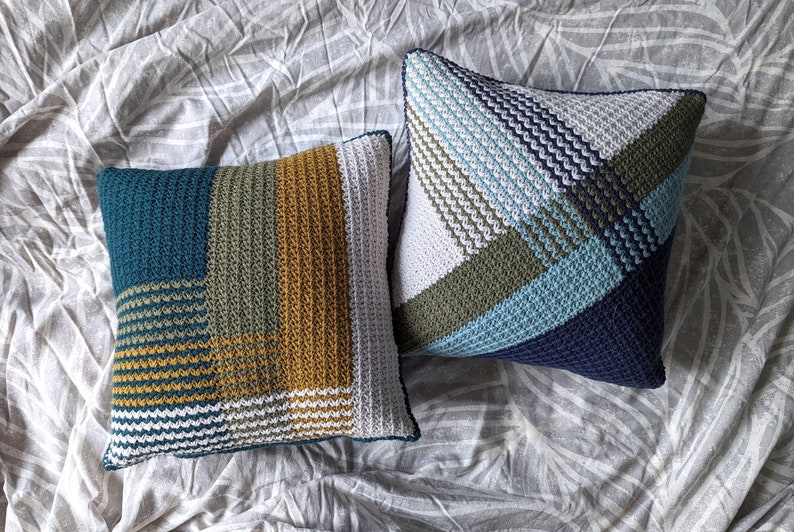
(252,304)
(538,223)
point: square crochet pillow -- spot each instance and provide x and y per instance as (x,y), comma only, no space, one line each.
(538,223)
(253,304)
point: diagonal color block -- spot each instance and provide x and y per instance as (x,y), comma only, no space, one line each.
(559,208)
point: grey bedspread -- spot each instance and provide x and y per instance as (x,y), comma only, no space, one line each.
(85,85)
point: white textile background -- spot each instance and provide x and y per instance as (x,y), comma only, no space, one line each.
(85,85)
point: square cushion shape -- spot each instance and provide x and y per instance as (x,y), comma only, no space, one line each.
(253,304)
(538,224)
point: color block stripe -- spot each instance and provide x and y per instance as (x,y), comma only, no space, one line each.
(457,299)
(458,228)
(618,339)
(609,214)
(172,387)
(470,137)
(162,347)
(161,375)
(551,300)
(318,430)
(172,224)
(242,267)
(637,170)
(134,445)
(650,159)
(313,276)
(179,286)
(165,361)
(661,205)
(247,416)
(466,212)
(151,300)
(186,444)
(303,418)
(556,150)
(242,287)
(158,435)
(557,154)
(190,318)
(606,122)
(217,343)
(144,316)
(424,239)
(448,107)
(545,303)
(154,400)
(155,335)
(243,359)
(133,427)
(364,168)
(634,172)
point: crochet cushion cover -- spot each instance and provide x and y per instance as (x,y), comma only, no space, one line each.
(252,304)
(538,223)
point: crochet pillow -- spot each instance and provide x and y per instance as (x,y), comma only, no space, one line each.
(538,223)
(252,304)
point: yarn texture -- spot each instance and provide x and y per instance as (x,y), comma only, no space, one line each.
(253,304)
(538,224)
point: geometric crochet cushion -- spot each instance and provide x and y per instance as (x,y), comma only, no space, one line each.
(538,224)
(253,304)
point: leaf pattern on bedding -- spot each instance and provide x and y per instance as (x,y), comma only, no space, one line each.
(242,80)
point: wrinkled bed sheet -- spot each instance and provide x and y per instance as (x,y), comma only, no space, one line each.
(164,85)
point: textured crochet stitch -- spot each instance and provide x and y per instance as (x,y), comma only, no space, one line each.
(252,304)
(538,223)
